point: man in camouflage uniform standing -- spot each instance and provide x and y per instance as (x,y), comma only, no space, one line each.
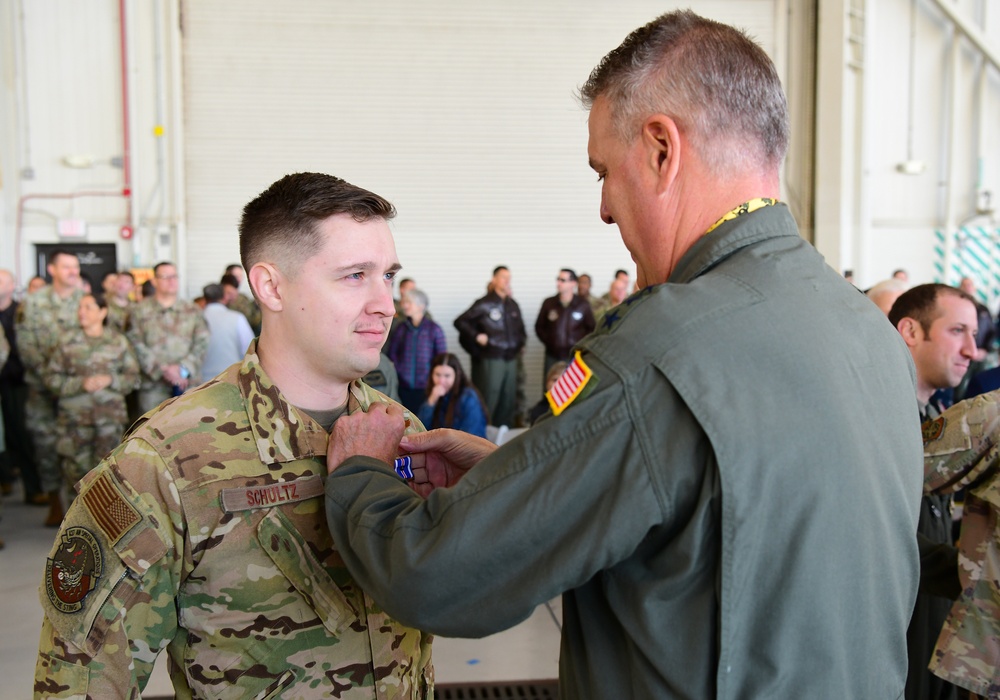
(237,302)
(119,304)
(960,452)
(204,532)
(47,317)
(170,338)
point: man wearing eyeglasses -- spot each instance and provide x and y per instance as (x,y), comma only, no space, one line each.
(170,338)
(563,320)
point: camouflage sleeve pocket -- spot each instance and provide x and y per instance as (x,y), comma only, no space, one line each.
(288,550)
(55,678)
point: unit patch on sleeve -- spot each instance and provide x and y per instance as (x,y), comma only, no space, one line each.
(932,429)
(109,509)
(569,385)
(73,570)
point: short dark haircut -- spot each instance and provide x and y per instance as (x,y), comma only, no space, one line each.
(127,273)
(713,80)
(234,266)
(212,293)
(230,280)
(498,268)
(157,266)
(619,273)
(108,274)
(921,304)
(60,251)
(572,275)
(280,225)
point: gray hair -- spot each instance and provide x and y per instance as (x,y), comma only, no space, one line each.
(417,297)
(712,79)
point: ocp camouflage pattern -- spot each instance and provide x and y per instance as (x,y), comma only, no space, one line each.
(961,450)
(161,336)
(90,423)
(250,599)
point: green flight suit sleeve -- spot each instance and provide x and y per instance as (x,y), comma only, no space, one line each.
(532,520)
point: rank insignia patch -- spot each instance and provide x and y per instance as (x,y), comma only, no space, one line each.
(932,429)
(73,570)
(569,385)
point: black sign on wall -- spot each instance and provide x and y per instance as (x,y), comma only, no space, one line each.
(96,259)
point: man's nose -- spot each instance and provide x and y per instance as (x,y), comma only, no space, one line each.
(605,214)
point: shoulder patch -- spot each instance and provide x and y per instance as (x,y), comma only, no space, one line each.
(932,429)
(109,508)
(74,569)
(569,385)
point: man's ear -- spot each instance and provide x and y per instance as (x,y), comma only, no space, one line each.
(911,331)
(662,141)
(266,281)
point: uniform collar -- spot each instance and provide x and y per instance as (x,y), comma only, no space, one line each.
(282,432)
(730,236)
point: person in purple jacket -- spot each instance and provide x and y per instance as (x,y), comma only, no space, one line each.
(415,343)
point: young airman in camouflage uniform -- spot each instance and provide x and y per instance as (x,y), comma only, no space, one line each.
(204,533)
(961,451)
(91,422)
(47,317)
(170,338)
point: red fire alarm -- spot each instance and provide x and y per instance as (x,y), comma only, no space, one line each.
(127,232)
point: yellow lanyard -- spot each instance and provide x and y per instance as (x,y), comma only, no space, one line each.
(745,208)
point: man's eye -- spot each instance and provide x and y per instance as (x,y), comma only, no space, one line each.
(355,275)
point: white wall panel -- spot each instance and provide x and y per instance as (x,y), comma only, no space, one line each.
(462,114)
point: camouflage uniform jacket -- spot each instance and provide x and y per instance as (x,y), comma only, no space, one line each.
(43,323)
(170,335)
(80,357)
(248,307)
(204,534)
(961,450)
(118,316)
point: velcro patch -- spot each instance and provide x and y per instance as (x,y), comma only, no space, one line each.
(569,385)
(270,495)
(109,508)
(74,569)
(932,429)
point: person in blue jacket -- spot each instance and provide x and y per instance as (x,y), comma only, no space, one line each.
(452,401)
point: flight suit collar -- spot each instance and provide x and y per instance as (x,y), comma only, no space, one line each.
(731,236)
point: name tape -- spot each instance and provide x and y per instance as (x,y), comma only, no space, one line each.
(270,495)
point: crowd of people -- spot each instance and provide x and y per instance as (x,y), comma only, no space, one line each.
(725,485)
(85,362)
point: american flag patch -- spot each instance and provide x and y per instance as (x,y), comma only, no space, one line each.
(569,385)
(109,509)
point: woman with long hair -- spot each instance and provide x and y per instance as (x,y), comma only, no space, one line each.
(452,401)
